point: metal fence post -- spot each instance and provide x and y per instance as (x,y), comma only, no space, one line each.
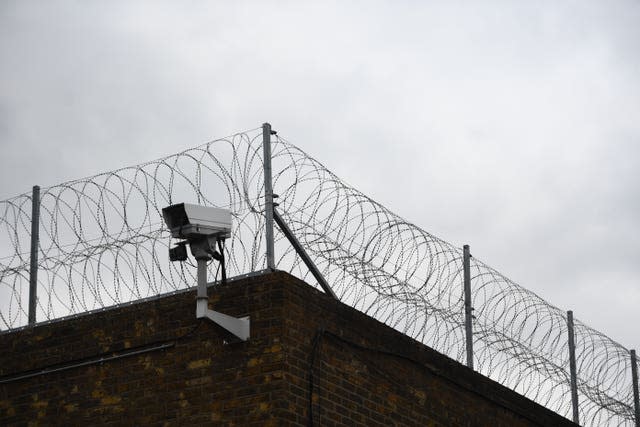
(572,368)
(634,374)
(268,194)
(33,267)
(468,309)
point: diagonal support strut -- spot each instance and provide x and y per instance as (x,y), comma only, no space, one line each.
(303,254)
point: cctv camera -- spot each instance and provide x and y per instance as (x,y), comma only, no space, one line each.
(190,222)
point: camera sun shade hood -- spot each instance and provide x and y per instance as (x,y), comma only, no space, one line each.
(187,221)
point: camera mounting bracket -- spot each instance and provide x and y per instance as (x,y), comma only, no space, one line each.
(239,327)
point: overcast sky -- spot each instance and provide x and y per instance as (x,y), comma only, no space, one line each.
(511,126)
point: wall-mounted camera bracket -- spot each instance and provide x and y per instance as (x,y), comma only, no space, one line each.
(238,327)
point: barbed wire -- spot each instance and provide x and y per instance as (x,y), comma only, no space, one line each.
(102,243)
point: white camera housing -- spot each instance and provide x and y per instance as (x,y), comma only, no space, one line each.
(187,221)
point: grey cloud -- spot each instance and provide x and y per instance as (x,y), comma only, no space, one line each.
(511,127)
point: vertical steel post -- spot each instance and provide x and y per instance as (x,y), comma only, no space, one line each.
(468,309)
(634,374)
(202,299)
(572,368)
(33,268)
(268,194)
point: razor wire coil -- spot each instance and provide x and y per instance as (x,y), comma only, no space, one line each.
(102,242)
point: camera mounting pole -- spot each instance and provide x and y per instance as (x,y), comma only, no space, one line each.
(239,327)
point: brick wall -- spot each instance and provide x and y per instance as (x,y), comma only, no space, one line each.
(309,357)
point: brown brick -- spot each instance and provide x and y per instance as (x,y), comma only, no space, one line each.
(202,381)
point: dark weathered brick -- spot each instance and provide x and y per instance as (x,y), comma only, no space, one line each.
(202,381)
